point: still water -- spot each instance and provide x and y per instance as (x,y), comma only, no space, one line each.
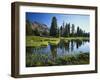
(70,48)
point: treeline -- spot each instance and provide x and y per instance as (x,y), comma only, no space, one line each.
(66,30)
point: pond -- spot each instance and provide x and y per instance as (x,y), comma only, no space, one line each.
(72,47)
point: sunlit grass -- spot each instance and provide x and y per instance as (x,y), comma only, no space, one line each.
(37,41)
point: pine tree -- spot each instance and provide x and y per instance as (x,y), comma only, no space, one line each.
(53,28)
(78,31)
(66,30)
(61,31)
(69,29)
(73,29)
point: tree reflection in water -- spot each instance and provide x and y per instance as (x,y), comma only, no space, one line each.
(50,53)
(53,51)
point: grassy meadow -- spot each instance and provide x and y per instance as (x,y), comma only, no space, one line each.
(37,41)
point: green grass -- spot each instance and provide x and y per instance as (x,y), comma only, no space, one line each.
(75,38)
(54,42)
(37,41)
(33,60)
(36,44)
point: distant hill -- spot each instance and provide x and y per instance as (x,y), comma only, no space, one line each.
(36,28)
(40,27)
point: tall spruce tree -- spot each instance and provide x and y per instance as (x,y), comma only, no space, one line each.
(73,29)
(66,30)
(53,28)
(78,31)
(69,29)
(61,31)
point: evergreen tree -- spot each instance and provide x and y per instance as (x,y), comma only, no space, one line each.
(61,31)
(53,28)
(78,31)
(36,32)
(81,32)
(28,28)
(58,32)
(69,29)
(66,30)
(73,29)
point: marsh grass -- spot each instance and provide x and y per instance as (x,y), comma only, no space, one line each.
(37,41)
(33,60)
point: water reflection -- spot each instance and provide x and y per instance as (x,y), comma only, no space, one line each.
(53,51)
(70,47)
(78,43)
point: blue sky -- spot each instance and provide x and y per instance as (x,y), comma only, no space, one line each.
(83,21)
